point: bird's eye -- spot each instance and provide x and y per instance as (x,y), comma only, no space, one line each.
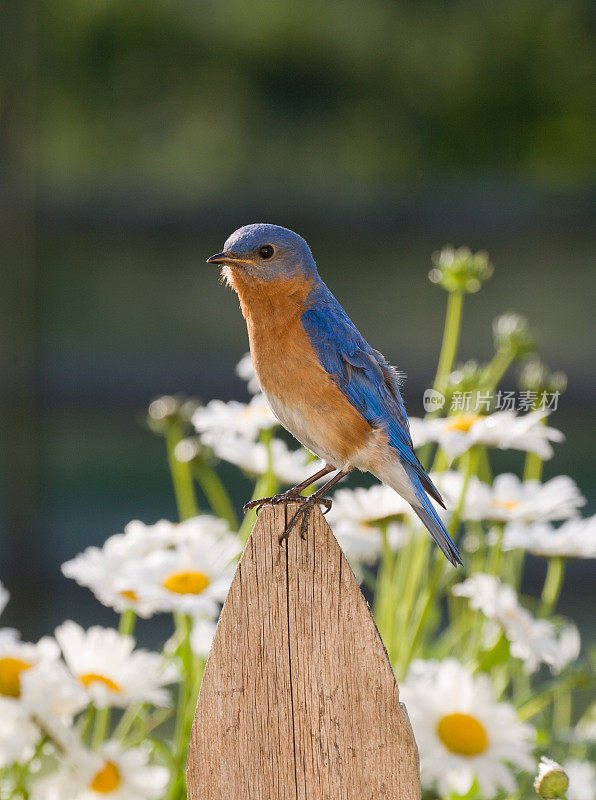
(266,251)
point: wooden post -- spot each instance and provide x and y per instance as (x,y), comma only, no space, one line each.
(298,700)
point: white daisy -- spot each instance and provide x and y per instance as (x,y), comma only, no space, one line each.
(109,571)
(111,773)
(111,671)
(568,646)
(582,779)
(375,504)
(246,371)
(362,543)
(575,538)
(532,640)
(18,733)
(4,596)
(503,429)
(52,696)
(356,518)
(139,539)
(18,657)
(462,733)
(289,466)
(201,636)
(107,575)
(510,499)
(193,578)
(218,418)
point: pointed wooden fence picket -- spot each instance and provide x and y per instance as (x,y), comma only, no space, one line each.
(298,700)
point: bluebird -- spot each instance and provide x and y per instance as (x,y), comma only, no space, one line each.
(337,395)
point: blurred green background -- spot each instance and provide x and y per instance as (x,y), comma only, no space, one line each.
(137,134)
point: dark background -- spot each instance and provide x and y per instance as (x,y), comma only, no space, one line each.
(136,135)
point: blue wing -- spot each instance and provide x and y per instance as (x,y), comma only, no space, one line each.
(364,376)
(372,387)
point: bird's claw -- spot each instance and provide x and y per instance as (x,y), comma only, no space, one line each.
(286,497)
(304,512)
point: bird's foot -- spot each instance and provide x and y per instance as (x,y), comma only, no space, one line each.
(277,499)
(303,514)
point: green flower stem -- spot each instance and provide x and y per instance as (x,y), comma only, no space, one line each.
(522,687)
(177,788)
(483,468)
(215,492)
(127,623)
(427,600)
(187,508)
(101,727)
(420,558)
(385,601)
(493,556)
(159,748)
(470,462)
(181,474)
(440,462)
(562,708)
(534,464)
(85,722)
(157,718)
(423,610)
(23,772)
(127,720)
(553,583)
(451,333)
(266,486)
(540,701)
(395,599)
(496,368)
(533,467)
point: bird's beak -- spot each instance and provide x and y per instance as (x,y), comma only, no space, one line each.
(224,258)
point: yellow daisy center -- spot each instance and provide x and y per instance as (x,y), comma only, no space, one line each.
(463,422)
(129,594)
(10,675)
(186,582)
(508,505)
(87,678)
(107,779)
(462,734)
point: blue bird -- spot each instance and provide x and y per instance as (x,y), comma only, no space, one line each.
(332,391)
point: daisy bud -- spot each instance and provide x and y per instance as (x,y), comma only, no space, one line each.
(535,376)
(465,377)
(163,408)
(511,333)
(187,449)
(460,270)
(552,781)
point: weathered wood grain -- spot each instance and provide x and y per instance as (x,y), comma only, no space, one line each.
(298,700)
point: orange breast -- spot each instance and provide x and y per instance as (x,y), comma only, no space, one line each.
(289,370)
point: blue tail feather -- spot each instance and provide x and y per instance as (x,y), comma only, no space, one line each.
(433,522)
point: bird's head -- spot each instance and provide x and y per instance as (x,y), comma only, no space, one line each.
(263,252)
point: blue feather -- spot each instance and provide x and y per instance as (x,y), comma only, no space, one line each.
(372,387)
(363,374)
(433,522)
